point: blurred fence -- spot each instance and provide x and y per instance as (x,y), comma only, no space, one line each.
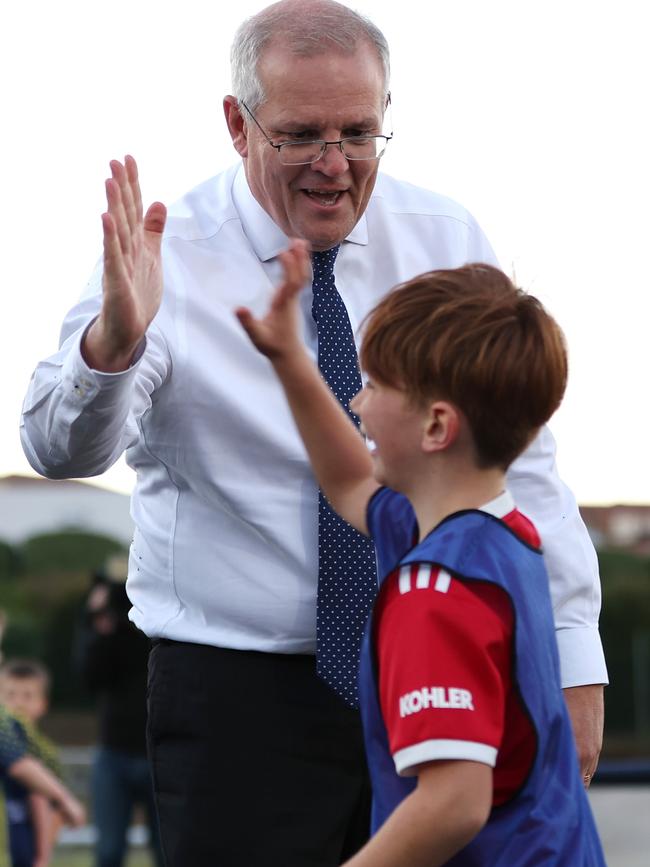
(628,772)
(77,765)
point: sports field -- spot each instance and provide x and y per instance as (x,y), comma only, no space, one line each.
(621,814)
(68,856)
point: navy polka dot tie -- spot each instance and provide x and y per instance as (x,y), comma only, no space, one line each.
(347,579)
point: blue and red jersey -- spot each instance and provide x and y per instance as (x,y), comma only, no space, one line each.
(460,662)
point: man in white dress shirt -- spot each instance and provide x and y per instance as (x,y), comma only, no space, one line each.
(256,761)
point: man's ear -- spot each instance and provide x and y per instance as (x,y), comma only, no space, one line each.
(442,426)
(236,125)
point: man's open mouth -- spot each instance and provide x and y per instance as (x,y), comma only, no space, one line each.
(324,197)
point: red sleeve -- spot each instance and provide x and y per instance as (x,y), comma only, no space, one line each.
(444,655)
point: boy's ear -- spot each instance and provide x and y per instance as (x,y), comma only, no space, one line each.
(236,125)
(442,427)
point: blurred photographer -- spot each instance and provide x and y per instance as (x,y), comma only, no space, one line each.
(112,659)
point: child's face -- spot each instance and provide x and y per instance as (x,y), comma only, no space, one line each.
(24,696)
(395,428)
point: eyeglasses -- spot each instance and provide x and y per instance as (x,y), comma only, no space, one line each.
(302,153)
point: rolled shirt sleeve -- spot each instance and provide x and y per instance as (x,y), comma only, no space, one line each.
(76,421)
(570,560)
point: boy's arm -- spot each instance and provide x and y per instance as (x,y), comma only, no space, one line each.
(443,814)
(42,817)
(340,460)
(35,777)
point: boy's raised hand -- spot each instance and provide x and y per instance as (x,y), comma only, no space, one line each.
(341,462)
(277,335)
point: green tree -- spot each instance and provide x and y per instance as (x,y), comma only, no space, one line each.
(42,597)
(624,624)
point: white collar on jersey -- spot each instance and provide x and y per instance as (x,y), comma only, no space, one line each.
(500,506)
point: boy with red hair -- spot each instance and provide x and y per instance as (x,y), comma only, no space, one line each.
(469,743)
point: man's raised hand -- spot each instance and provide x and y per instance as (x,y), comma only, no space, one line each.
(278,333)
(132,281)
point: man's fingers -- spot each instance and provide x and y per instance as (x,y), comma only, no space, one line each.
(586,709)
(126,177)
(114,268)
(588,767)
(588,770)
(132,174)
(125,205)
(117,212)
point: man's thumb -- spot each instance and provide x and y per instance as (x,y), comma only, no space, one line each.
(154,219)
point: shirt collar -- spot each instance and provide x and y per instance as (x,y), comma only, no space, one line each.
(500,506)
(266,238)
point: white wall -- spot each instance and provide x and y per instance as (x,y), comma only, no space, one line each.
(29,507)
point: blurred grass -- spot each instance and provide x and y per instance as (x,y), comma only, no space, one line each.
(80,856)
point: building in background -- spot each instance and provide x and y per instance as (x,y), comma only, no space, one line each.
(34,506)
(620,526)
(31,506)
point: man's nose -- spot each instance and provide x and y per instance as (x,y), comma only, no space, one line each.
(332,161)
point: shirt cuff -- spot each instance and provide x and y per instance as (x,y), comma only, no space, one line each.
(84,383)
(408,759)
(582,661)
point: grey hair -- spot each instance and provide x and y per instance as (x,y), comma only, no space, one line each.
(307,29)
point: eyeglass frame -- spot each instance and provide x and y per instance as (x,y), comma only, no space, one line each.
(323,144)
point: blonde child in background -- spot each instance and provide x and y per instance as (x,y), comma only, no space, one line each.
(33,823)
(33,775)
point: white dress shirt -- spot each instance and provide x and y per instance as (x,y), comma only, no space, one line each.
(225,504)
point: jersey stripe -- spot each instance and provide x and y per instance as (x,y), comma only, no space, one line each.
(423,577)
(405,579)
(443,581)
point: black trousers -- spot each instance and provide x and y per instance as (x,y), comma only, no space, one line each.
(256,763)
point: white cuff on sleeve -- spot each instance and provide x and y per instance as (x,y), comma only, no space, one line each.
(84,383)
(582,660)
(408,759)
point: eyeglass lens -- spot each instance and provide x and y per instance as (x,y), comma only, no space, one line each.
(353,149)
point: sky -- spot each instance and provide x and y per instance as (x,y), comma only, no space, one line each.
(533,115)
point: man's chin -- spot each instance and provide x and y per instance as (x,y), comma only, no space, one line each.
(325,231)
(320,240)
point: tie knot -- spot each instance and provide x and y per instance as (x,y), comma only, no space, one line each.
(323,262)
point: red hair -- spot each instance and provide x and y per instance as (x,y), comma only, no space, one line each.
(468,335)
